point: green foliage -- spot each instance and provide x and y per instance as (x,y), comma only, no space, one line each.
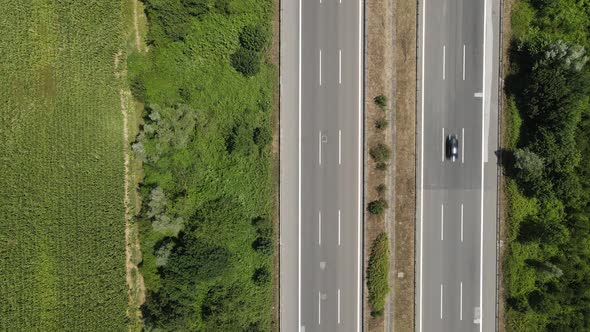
(254,38)
(62,251)
(206,151)
(381,123)
(547,271)
(380,153)
(378,274)
(377,207)
(381,101)
(246,62)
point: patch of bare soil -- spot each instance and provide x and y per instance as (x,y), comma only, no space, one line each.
(379,81)
(405,167)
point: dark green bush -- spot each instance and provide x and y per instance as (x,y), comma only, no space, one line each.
(377,207)
(381,101)
(261,276)
(381,189)
(381,123)
(380,153)
(378,274)
(254,37)
(246,62)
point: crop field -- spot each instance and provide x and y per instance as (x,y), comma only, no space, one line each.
(62,245)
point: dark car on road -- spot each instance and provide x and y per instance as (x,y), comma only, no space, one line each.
(452,147)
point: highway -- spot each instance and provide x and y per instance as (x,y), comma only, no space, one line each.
(457,201)
(321,165)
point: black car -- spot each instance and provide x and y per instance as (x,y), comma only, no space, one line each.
(452,147)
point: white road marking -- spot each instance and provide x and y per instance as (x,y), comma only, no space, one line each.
(320,147)
(360,168)
(339,66)
(338,227)
(299,180)
(339,147)
(421,166)
(319,308)
(461,301)
(441,301)
(461,222)
(338,305)
(444,60)
(320,66)
(478,95)
(462,145)
(320,227)
(463,62)
(483,88)
(442,145)
(442,222)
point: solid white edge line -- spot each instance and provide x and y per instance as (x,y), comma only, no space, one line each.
(320,67)
(339,66)
(360,146)
(338,226)
(463,62)
(482,168)
(339,147)
(319,308)
(320,147)
(461,222)
(441,301)
(461,301)
(442,222)
(338,305)
(444,61)
(462,145)
(422,165)
(299,182)
(320,227)
(442,144)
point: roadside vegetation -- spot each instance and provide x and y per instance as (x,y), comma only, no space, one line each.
(206,221)
(547,160)
(378,274)
(62,243)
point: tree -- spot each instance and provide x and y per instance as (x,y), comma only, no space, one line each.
(254,38)
(377,207)
(529,165)
(246,61)
(381,123)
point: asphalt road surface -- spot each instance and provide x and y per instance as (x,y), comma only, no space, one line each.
(456,217)
(321,165)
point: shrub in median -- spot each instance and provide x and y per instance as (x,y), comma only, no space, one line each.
(246,62)
(380,153)
(381,101)
(381,123)
(377,207)
(378,274)
(254,37)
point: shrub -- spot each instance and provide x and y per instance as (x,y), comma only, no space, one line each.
(377,207)
(380,153)
(378,274)
(381,123)
(246,61)
(381,166)
(261,276)
(263,245)
(381,189)
(254,37)
(381,101)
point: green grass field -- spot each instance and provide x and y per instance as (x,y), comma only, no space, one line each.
(62,258)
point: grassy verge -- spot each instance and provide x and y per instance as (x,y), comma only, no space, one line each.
(61,168)
(378,274)
(547,264)
(206,231)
